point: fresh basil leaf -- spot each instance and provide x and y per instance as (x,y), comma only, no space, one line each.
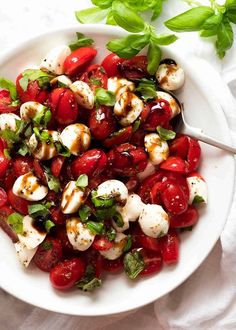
(95,81)
(81,41)
(190,228)
(103,4)
(13,136)
(209,33)
(164,39)
(128,244)
(198,199)
(91,15)
(62,150)
(147,89)
(105,97)
(15,220)
(24,82)
(136,125)
(84,213)
(82,181)
(140,5)
(105,213)
(48,225)
(165,134)
(117,218)
(6,153)
(42,135)
(154,57)
(230,6)
(157,9)
(89,281)
(23,150)
(102,201)
(15,103)
(133,264)
(10,86)
(43,117)
(212,22)
(191,20)
(127,18)
(42,77)
(53,182)
(110,19)
(111,234)
(225,38)
(38,210)
(28,132)
(95,227)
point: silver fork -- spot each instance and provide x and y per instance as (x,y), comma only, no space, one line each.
(197,133)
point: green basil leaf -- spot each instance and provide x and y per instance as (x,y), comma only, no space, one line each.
(191,20)
(6,153)
(127,18)
(147,89)
(42,135)
(164,39)
(117,218)
(190,228)
(15,220)
(154,58)
(208,33)
(198,199)
(212,22)
(62,150)
(105,213)
(102,201)
(105,97)
(10,86)
(91,15)
(48,225)
(104,4)
(43,117)
(24,81)
(84,213)
(81,41)
(157,9)
(43,78)
(53,182)
(165,134)
(95,227)
(110,19)
(231,15)
(225,38)
(133,264)
(38,210)
(128,244)
(111,234)
(95,81)
(23,150)
(82,181)
(89,281)
(136,125)
(140,5)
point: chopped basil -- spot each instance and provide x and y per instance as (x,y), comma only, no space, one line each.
(104,97)
(165,134)
(102,201)
(36,210)
(24,81)
(95,81)
(133,264)
(13,136)
(28,131)
(89,281)
(111,234)
(48,225)
(118,219)
(10,86)
(82,181)
(43,117)
(6,153)
(53,182)
(15,220)
(128,244)
(81,41)
(23,150)
(190,228)
(198,199)
(147,89)
(42,77)
(95,227)
(62,150)
(136,125)
(84,213)
(42,135)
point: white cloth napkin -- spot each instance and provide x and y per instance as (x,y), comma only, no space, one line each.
(207,300)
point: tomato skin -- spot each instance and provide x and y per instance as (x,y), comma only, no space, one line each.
(134,68)
(101,243)
(188,218)
(179,147)
(146,242)
(78,60)
(111,64)
(147,184)
(3,144)
(174,198)
(96,72)
(48,254)
(56,165)
(194,155)
(22,165)
(153,262)
(61,235)
(102,122)
(19,204)
(39,172)
(113,265)
(159,114)
(170,247)
(3,197)
(33,92)
(174,164)
(4,164)
(57,216)
(119,137)
(5,102)
(5,211)
(64,275)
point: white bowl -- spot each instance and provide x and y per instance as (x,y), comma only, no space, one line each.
(118,293)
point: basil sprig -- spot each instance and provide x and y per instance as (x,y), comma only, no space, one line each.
(89,281)
(81,41)
(15,220)
(10,86)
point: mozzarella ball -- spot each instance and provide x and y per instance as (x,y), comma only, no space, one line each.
(76,138)
(31,237)
(27,186)
(197,189)
(72,198)
(83,94)
(113,189)
(44,150)
(170,76)
(80,237)
(128,108)
(24,255)
(62,81)
(8,121)
(29,110)
(119,86)
(149,170)
(175,108)
(154,221)
(158,149)
(125,219)
(54,60)
(117,249)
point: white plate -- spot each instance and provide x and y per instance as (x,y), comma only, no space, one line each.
(119,294)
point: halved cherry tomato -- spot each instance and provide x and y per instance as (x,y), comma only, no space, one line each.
(3,144)
(178,179)
(19,204)
(39,172)
(22,165)
(155,193)
(135,68)
(57,216)
(95,76)
(194,155)
(174,164)
(119,137)
(174,198)
(5,211)
(142,240)
(61,234)
(153,262)
(6,102)
(9,179)
(147,184)
(179,147)
(159,114)
(3,197)
(170,247)
(102,243)
(113,265)
(4,164)
(64,275)
(102,122)
(56,165)
(79,59)
(32,93)
(186,219)
(111,63)
(48,254)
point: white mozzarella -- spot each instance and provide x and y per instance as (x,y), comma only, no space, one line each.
(170,76)
(54,60)
(154,221)
(113,189)
(61,80)
(8,121)
(31,237)
(27,186)
(158,149)
(29,110)
(117,249)
(119,86)
(72,198)
(128,108)
(76,138)
(44,150)
(149,170)
(83,94)
(79,236)
(133,207)
(175,109)
(197,188)
(24,255)
(120,229)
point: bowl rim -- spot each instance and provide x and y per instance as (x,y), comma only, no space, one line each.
(118,32)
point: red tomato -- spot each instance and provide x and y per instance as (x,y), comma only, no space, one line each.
(111,64)
(174,164)
(152,260)
(194,155)
(3,144)
(155,193)
(135,68)
(95,259)
(33,92)
(9,179)
(95,76)
(19,204)
(79,59)
(5,102)
(39,172)
(122,136)
(179,147)
(177,178)
(5,211)
(48,254)
(186,219)
(113,265)
(64,275)
(102,122)
(159,114)
(142,240)
(63,105)
(61,234)
(147,184)
(138,138)
(3,197)
(191,174)
(57,216)
(4,164)
(170,248)
(22,165)
(101,243)
(56,165)
(174,198)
